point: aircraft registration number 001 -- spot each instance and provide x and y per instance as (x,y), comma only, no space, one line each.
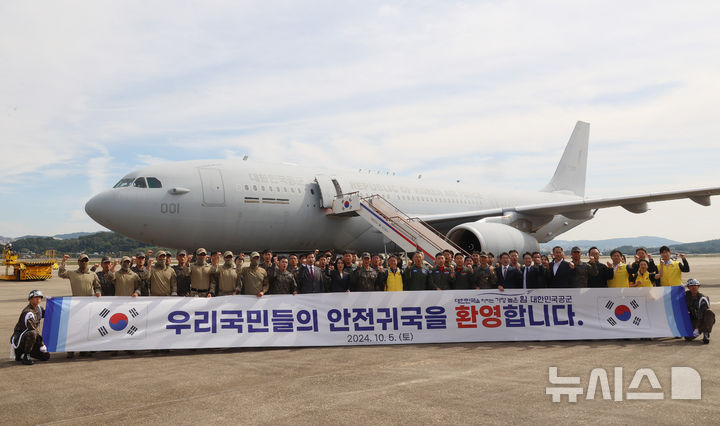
(170,208)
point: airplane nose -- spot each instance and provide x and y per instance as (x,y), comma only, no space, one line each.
(97,208)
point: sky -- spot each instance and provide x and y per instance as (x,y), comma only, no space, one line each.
(481,91)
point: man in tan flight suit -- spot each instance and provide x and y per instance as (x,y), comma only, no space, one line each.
(253,278)
(226,275)
(162,278)
(83,282)
(127,282)
(200,283)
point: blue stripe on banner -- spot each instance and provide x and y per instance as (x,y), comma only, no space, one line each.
(682,316)
(63,324)
(670,312)
(51,323)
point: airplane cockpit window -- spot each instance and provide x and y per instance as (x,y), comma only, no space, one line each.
(140,183)
(154,182)
(124,182)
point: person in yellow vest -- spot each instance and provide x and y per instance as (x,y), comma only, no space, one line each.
(670,271)
(621,275)
(393,275)
(643,277)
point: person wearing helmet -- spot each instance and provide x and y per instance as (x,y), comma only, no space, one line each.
(701,316)
(26,339)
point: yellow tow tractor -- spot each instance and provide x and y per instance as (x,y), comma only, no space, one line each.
(26,269)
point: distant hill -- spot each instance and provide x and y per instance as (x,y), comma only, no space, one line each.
(72,235)
(5,240)
(99,243)
(610,244)
(702,247)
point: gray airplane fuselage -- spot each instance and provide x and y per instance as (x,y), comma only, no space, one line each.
(243,205)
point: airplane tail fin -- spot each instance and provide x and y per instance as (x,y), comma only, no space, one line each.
(572,169)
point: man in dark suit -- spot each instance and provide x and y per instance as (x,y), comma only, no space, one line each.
(531,274)
(507,276)
(561,269)
(312,279)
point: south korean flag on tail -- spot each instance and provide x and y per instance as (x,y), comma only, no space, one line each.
(623,312)
(118,321)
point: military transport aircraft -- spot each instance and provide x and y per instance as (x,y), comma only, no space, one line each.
(242,205)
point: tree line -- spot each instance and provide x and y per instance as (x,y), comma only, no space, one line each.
(104,243)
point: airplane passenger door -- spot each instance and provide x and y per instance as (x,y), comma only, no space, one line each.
(329,189)
(212,186)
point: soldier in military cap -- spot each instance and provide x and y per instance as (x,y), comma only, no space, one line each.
(83,282)
(181,273)
(139,268)
(199,272)
(253,278)
(364,278)
(484,276)
(125,281)
(105,276)
(26,339)
(226,275)
(161,277)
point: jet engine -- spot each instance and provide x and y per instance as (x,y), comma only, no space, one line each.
(492,237)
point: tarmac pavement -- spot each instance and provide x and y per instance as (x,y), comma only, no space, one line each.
(419,384)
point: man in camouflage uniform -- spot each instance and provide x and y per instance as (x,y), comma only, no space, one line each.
(484,277)
(226,275)
(415,276)
(364,278)
(139,268)
(183,279)
(26,339)
(253,278)
(199,272)
(293,266)
(581,272)
(105,276)
(126,282)
(161,277)
(283,282)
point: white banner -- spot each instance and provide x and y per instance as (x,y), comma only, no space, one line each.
(333,319)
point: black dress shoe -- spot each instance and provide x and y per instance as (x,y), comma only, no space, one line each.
(27,361)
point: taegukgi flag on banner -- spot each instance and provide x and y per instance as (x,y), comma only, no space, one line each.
(334,319)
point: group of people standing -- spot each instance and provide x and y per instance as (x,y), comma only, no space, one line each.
(222,274)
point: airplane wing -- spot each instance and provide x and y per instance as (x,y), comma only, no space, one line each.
(632,203)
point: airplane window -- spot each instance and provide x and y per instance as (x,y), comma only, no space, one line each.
(254,187)
(270,188)
(123,183)
(278,188)
(312,191)
(140,183)
(285,188)
(292,190)
(247,188)
(154,183)
(262,187)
